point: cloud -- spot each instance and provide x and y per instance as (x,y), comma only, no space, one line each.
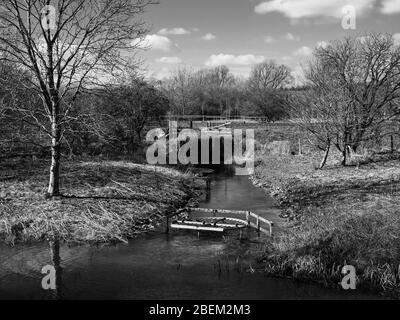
(170,60)
(269,39)
(161,74)
(285,59)
(290,37)
(174,31)
(155,42)
(322,44)
(295,9)
(396,38)
(229,59)
(209,37)
(303,52)
(390,6)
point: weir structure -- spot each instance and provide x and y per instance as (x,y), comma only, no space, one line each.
(219,221)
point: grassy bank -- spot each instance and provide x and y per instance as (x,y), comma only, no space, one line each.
(101,202)
(334,217)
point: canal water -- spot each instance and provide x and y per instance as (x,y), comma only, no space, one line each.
(180,265)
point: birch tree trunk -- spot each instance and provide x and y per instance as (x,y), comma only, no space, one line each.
(54,180)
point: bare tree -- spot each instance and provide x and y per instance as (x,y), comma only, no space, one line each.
(16,130)
(219,81)
(265,88)
(179,87)
(269,75)
(354,91)
(368,70)
(322,114)
(220,77)
(134,105)
(67,45)
(190,90)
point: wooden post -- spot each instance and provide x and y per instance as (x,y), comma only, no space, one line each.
(248,219)
(258,226)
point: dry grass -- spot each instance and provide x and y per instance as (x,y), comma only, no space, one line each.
(334,217)
(101,202)
(327,239)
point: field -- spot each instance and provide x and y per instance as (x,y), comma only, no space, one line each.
(334,217)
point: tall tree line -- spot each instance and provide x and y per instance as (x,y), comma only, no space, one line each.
(218,92)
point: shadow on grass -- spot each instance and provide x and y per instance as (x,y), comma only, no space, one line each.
(130,198)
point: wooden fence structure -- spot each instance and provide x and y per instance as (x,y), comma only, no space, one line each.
(222,220)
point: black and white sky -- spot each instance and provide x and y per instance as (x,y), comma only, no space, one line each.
(239,33)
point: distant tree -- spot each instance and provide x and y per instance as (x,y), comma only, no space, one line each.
(199,92)
(220,80)
(220,77)
(269,75)
(137,103)
(265,89)
(179,90)
(116,116)
(66,45)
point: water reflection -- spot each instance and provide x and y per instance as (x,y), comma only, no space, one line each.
(56,258)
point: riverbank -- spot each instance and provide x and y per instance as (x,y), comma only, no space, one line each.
(335,217)
(102,202)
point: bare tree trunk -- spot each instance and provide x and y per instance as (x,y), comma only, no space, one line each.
(345,149)
(344,162)
(325,159)
(54,181)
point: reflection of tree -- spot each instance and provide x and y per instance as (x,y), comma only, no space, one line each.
(55,256)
